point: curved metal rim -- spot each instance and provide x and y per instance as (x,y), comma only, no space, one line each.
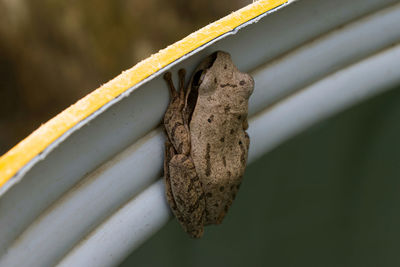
(21,158)
(149,211)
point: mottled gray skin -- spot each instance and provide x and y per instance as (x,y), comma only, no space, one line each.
(207,146)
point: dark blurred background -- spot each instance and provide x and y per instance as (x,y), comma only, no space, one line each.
(52,53)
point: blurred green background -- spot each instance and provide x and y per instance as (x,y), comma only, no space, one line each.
(328,197)
(54,52)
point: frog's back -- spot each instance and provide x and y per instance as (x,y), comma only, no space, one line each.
(219,143)
(219,150)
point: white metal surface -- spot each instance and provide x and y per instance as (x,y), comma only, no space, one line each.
(287,118)
(143,215)
(65,206)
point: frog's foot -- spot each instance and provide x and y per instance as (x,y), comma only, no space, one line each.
(188,194)
(167,77)
(173,92)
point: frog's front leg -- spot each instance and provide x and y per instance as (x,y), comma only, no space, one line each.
(176,128)
(183,187)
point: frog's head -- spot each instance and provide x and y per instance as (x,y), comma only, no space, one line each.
(218,80)
(221,78)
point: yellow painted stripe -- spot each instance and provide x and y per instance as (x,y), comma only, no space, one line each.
(31,146)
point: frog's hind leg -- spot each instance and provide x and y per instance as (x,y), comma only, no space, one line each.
(168,155)
(188,194)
